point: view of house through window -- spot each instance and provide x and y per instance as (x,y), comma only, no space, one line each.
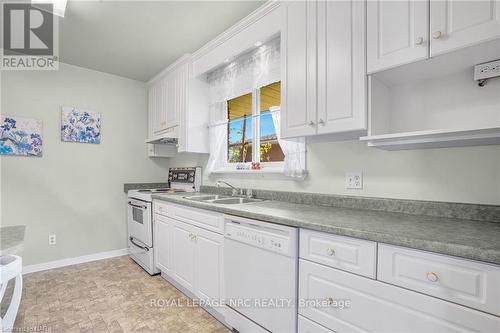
(244,116)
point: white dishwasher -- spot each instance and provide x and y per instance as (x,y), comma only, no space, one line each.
(260,276)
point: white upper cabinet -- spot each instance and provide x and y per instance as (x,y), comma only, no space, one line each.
(178,107)
(298,100)
(456,24)
(162,108)
(323,70)
(397,33)
(157,107)
(401,32)
(341,67)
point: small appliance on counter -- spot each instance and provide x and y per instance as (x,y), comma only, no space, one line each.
(140,214)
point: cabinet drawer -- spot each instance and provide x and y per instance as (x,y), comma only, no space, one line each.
(199,217)
(462,281)
(346,253)
(160,208)
(351,303)
(309,326)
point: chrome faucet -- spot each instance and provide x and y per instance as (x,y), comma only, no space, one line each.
(235,189)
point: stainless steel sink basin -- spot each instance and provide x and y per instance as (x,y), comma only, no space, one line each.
(221,199)
(206,197)
(232,201)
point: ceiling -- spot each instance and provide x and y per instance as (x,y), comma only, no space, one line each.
(137,39)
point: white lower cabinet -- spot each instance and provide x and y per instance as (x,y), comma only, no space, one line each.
(208,264)
(163,243)
(465,282)
(351,303)
(183,254)
(345,253)
(309,326)
(191,256)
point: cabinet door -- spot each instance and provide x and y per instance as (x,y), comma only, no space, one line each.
(298,99)
(183,261)
(458,23)
(351,303)
(397,33)
(151,113)
(158,106)
(209,264)
(163,243)
(172,99)
(341,66)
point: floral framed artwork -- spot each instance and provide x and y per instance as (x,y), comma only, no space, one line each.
(20,136)
(80,126)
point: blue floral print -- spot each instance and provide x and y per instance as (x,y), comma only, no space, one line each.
(80,126)
(20,139)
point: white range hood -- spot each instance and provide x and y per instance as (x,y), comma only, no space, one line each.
(164,140)
(169,136)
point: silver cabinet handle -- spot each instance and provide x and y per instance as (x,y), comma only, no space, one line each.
(145,248)
(321,121)
(419,41)
(437,34)
(311,123)
(330,252)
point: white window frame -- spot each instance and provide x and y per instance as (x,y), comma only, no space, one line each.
(266,167)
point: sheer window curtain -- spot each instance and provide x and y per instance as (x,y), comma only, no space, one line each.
(250,71)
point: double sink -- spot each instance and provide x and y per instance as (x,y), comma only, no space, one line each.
(221,199)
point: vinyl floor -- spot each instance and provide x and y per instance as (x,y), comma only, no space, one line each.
(111,295)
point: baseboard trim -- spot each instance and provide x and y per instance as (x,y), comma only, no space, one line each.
(73,261)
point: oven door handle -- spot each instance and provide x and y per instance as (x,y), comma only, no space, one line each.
(145,248)
(137,206)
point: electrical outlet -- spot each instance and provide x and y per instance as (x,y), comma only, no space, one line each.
(354,180)
(52,239)
(487,70)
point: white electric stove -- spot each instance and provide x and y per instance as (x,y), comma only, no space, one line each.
(140,214)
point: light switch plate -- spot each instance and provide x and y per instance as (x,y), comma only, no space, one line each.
(354,180)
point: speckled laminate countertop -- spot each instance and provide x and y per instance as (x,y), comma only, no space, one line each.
(470,239)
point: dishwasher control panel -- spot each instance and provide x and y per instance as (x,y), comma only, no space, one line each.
(276,241)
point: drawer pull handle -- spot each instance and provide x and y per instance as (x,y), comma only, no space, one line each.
(432,277)
(437,34)
(329,301)
(330,252)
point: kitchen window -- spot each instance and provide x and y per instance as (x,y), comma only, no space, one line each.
(250,124)
(245,120)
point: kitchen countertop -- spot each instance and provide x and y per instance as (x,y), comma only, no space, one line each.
(11,239)
(470,239)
